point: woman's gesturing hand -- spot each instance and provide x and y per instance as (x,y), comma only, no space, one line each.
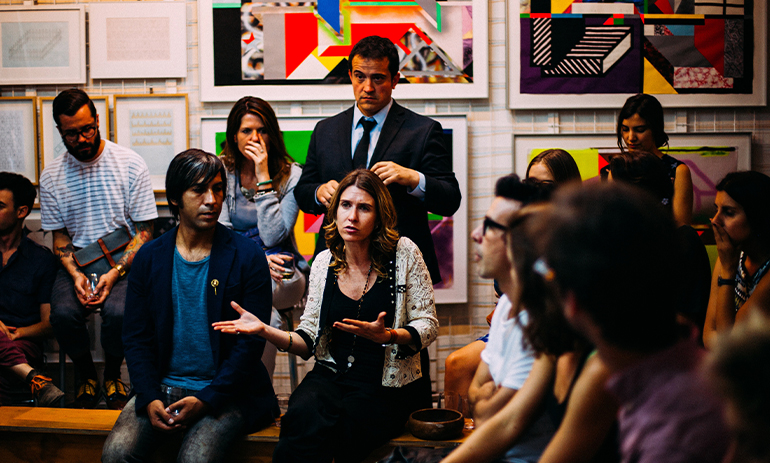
(374,331)
(248,323)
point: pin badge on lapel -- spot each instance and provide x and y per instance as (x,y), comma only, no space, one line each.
(214,284)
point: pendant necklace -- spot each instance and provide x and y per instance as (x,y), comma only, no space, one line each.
(351,358)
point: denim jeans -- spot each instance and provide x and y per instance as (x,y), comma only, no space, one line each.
(133,439)
(69,317)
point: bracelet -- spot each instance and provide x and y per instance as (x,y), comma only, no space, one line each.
(266,182)
(393,336)
(725,281)
(291,341)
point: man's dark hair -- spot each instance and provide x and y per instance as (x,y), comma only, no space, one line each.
(190,168)
(376,48)
(20,187)
(644,170)
(614,249)
(69,102)
(511,187)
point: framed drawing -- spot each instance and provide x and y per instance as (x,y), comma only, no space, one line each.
(576,54)
(42,44)
(450,234)
(156,127)
(137,39)
(18,138)
(298,51)
(708,155)
(52,143)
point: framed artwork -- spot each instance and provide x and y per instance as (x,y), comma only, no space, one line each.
(581,54)
(450,234)
(42,44)
(137,39)
(299,51)
(156,127)
(708,155)
(18,138)
(52,143)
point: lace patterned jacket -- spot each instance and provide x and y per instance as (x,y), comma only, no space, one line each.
(415,311)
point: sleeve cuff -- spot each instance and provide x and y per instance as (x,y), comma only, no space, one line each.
(419,190)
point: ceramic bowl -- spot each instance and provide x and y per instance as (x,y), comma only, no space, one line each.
(436,424)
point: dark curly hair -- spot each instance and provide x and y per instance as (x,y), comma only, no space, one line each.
(384,237)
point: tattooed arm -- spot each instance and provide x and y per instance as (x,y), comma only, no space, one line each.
(64,250)
(107,281)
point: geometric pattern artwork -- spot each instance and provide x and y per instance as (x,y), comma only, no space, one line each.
(634,46)
(308,42)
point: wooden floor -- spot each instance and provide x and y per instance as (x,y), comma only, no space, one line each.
(66,435)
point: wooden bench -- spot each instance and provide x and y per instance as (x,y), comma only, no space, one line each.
(67,435)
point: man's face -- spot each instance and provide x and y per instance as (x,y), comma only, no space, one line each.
(81,134)
(372,84)
(9,214)
(201,205)
(491,253)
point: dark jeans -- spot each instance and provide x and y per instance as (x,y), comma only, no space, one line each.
(69,318)
(133,439)
(329,420)
(14,353)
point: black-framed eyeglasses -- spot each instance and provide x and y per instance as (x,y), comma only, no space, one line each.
(86,132)
(489,223)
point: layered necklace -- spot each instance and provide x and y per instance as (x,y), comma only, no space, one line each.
(352,358)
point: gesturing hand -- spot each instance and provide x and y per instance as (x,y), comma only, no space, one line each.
(374,331)
(324,192)
(248,323)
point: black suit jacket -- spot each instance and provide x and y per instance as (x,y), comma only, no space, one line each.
(407,139)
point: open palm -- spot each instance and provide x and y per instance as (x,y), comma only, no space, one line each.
(247,323)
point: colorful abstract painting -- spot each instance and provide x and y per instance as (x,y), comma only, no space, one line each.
(680,50)
(273,48)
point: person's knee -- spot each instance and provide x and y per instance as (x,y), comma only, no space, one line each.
(462,362)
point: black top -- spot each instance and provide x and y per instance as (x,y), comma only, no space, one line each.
(369,355)
(25,283)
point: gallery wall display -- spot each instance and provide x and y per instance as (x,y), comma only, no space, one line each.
(52,144)
(156,127)
(708,155)
(579,54)
(18,137)
(137,39)
(450,234)
(299,51)
(42,44)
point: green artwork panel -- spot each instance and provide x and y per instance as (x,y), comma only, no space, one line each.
(297,143)
(220,138)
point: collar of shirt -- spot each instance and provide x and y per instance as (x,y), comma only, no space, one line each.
(374,135)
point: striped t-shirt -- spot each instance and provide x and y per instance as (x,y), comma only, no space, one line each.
(91,199)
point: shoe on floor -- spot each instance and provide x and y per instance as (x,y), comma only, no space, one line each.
(88,394)
(45,392)
(115,394)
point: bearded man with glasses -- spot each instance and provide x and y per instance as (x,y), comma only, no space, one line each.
(94,189)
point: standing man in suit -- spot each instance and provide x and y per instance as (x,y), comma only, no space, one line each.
(404,149)
(187,378)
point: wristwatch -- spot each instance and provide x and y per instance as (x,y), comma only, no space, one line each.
(121,270)
(725,281)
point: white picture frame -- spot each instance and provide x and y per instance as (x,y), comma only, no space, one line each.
(52,146)
(210,92)
(18,147)
(56,55)
(137,40)
(706,170)
(155,126)
(518,100)
(457,292)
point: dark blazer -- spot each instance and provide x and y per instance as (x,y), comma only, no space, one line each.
(241,269)
(407,139)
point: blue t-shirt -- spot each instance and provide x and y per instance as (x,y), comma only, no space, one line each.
(192,363)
